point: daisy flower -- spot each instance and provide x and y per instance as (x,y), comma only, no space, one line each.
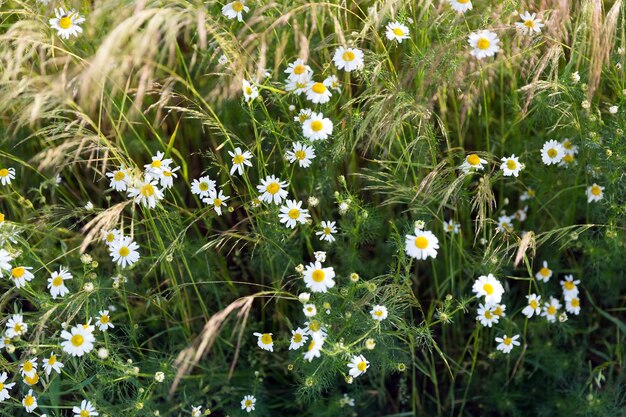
(216,199)
(265,341)
(28,368)
(66,23)
(511,166)
(234,10)
(31,380)
(16,326)
(146,192)
(30,401)
(56,283)
(196,411)
(506,344)
(318,93)
(550,309)
(298,339)
(451,226)
(110,236)
(292,213)
(328,228)
(397,31)
(314,350)
(202,186)
(552,152)
(569,147)
(594,193)
(119,179)
(104,321)
(348,59)
(472,163)
(303,115)
(461,6)
(317,127)
(379,313)
(422,245)
(52,363)
(317,278)
(572,305)
(239,160)
(86,409)
(248,403)
(299,71)
(250,92)
(273,189)
(314,327)
(5,387)
(484,43)
(167,177)
(297,87)
(489,287)
(544,274)
(499,309)
(358,366)
(155,168)
(533,306)
(333,82)
(569,286)
(6,175)
(302,153)
(21,275)
(124,251)
(309,310)
(78,341)
(485,316)
(505,224)
(5,259)
(530,23)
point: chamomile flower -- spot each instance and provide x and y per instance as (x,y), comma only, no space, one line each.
(451,226)
(317,278)
(379,313)
(124,251)
(28,368)
(544,274)
(299,71)
(511,166)
(297,87)
(235,9)
(273,189)
(499,310)
(530,24)
(569,286)
(533,306)
(5,387)
(348,59)
(506,344)
(333,82)
(489,287)
(485,316)
(86,409)
(31,379)
(146,192)
(66,23)
(472,163)
(265,341)
(5,259)
(155,168)
(303,115)
(314,349)
(421,245)
(552,152)
(217,200)
(484,43)
(119,179)
(250,92)
(56,283)
(292,213)
(302,153)
(248,403)
(202,186)
(550,309)
(328,228)
(317,127)
(110,236)
(29,401)
(314,327)
(594,193)
(6,175)
(298,339)
(240,158)
(21,275)
(16,326)
(78,341)
(52,363)
(572,304)
(318,93)
(103,321)
(358,366)
(309,310)
(397,31)
(505,224)
(461,6)
(167,177)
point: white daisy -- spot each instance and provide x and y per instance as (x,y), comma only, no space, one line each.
(16,326)
(52,363)
(530,23)
(594,193)
(506,344)
(472,163)
(292,213)
(56,283)
(314,349)
(78,341)
(485,316)
(299,71)
(5,387)
(511,166)
(28,368)
(202,186)
(155,168)
(544,274)
(167,177)
(333,82)
(505,224)
(5,259)
(569,286)
(216,199)
(421,245)
(146,192)
(235,9)
(379,313)
(484,43)
(451,226)
(86,409)
(318,93)
(309,310)
(461,6)
(239,160)
(29,401)
(303,115)
(489,287)
(250,92)
(119,179)
(104,321)
(572,304)
(6,175)
(124,251)
(358,365)
(317,278)
(248,403)
(328,228)
(265,341)
(317,127)
(533,306)
(273,189)
(297,87)
(348,59)
(21,275)
(298,339)
(302,153)
(314,327)
(66,23)
(552,152)
(550,309)
(397,31)
(110,236)
(196,411)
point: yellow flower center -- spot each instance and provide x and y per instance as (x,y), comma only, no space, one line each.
(569,285)
(17,328)
(297,338)
(294,213)
(568,158)
(575,302)
(119,176)
(327,230)
(488,289)
(156,163)
(318,275)
(483,43)
(4,172)
(52,360)
(237,6)
(300,155)
(238,159)
(552,310)
(1,386)
(552,152)
(110,237)
(510,164)
(167,173)
(545,271)
(596,190)
(29,400)
(362,366)
(567,144)
(497,311)
(299,69)
(31,380)
(272,188)
(248,403)
(18,272)
(473,159)
(398,32)
(507,341)
(84,413)
(315,325)
(124,251)
(203,186)
(104,319)
(378,313)
(249,91)
(318,88)
(217,202)
(311,345)
(316,125)
(57,282)
(529,23)
(28,367)
(421,242)
(266,338)
(463,1)
(488,315)
(348,56)
(533,304)
(77,340)
(147,190)
(1,217)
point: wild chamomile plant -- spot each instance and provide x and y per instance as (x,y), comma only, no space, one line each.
(312,208)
